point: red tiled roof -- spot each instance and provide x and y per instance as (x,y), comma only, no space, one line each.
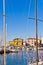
(32,39)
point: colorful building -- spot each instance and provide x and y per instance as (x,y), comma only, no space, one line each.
(41,40)
(16,42)
(11,42)
(32,41)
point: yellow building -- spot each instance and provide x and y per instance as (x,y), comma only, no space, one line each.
(16,42)
(11,42)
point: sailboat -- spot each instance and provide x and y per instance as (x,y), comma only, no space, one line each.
(36,61)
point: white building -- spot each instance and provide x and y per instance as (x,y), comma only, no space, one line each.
(41,40)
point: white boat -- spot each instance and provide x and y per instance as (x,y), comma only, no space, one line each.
(39,63)
(14,51)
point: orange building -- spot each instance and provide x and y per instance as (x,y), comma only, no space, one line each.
(32,41)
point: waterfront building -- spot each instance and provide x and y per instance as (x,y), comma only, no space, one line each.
(32,41)
(24,43)
(11,42)
(41,40)
(16,42)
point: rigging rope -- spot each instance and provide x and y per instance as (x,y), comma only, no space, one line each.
(29,9)
(27,17)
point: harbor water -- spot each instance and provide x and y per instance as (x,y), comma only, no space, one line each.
(20,58)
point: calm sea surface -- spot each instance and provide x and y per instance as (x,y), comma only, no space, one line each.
(20,58)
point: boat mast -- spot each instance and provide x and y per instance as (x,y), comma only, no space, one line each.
(37,59)
(4,20)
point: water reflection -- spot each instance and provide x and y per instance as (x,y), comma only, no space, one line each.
(20,58)
(1,60)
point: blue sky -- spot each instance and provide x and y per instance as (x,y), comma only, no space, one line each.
(18,24)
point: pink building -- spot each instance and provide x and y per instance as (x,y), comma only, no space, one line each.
(32,41)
